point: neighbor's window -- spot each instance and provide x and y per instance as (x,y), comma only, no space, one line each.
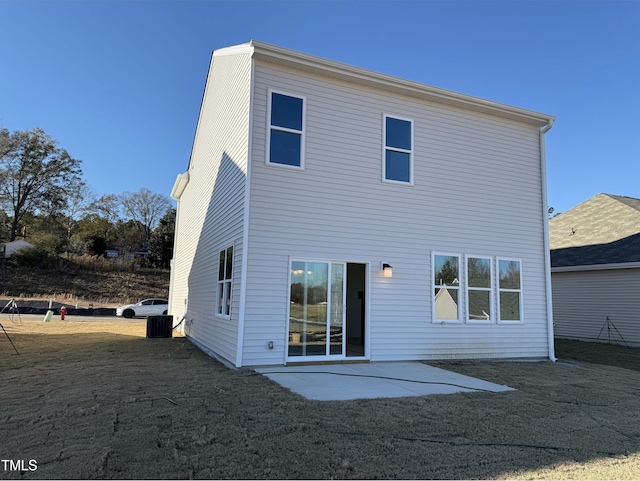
(446,281)
(510,290)
(225,274)
(479,289)
(398,150)
(286,130)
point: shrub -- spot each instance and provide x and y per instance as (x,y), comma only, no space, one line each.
(32,257)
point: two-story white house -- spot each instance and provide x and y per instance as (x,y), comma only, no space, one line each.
(333,213)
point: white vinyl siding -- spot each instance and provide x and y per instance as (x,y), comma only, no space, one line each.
(477,187)
(583,300)
(211,208)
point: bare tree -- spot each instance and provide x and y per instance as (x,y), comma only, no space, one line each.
(146,208)
(35,174)
(107,207)
(78,202)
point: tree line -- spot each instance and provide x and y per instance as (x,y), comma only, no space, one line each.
(45,201)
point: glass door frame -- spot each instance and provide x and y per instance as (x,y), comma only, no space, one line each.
(327,355)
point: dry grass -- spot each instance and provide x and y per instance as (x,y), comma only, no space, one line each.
(96,400)
(84,284)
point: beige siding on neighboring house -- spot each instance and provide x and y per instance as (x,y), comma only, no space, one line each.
(582,301)
(477,191)
(210,211)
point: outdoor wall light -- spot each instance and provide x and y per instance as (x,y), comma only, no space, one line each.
(387,270)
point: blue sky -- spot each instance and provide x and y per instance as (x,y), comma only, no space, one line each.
(119,83)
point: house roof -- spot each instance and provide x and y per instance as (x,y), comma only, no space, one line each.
(618,252)
(604,229)
(317,65)
(11,247)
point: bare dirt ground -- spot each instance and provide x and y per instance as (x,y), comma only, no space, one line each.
(95,399)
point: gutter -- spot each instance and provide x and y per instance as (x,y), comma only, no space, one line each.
(349,73)
(597,267)
(180,184)
(547,249)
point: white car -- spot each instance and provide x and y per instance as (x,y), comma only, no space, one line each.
(148,307)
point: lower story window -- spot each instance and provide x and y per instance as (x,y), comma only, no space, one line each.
(446,280)
(476,289)
(509,290)
(479,289)
(225,280)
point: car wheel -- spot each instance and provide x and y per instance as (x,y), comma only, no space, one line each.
(128,313)
(164,313)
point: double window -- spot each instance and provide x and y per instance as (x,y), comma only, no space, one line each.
(397,163)
(286,130)
(225,277)
(477,290)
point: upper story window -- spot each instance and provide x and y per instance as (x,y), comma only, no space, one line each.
(509,290)
(286,130)
(398,150)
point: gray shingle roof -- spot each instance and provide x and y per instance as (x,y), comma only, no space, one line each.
(620,251)
(604,229)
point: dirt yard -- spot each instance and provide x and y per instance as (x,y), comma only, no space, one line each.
(97,400)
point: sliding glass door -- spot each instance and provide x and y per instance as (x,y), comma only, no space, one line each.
(317,309)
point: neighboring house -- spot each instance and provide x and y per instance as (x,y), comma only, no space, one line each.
(12,247)
(127,253)
(595,259)
(326,207)
(140,253)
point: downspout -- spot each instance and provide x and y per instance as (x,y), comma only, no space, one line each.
(176,193)
(547,252)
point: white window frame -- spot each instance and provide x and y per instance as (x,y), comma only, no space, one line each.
(284,129)
(225,285)
(395,149)
(460,306)
(490,289)
(499,291)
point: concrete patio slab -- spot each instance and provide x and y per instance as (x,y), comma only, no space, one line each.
(340,382)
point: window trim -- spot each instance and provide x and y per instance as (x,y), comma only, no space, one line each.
(385,116)
(460,306)
(491,289)
(226,284)
(499,290)
(302,132)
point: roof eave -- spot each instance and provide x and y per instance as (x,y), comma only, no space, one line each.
(293,59)
(597,267)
